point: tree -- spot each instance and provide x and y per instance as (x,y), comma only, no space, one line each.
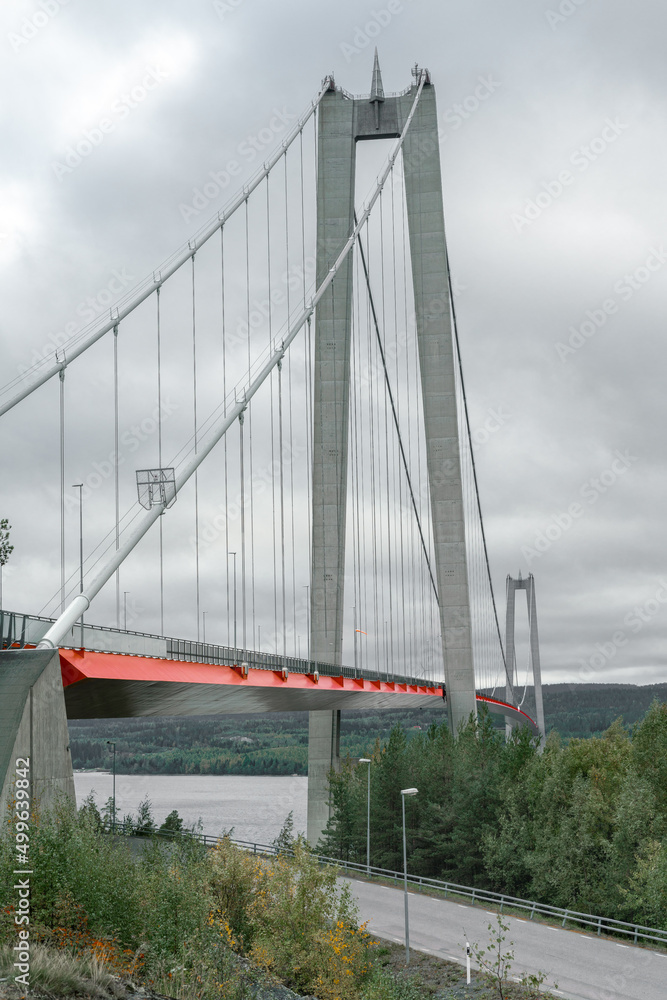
(172,825)
(647,894)
(145,824)
(5,549)
(284,842)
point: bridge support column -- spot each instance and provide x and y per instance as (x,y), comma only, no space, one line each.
(323,755)
(426,226)
(33,726)
(335,215)
(529,586)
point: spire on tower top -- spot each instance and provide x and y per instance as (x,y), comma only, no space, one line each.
(377,90)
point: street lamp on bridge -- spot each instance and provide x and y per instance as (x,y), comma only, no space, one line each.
(235,646)
(79,487)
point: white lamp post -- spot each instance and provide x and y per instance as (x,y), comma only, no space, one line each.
(366,760)
(404,792)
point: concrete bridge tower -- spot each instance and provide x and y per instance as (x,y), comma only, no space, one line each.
(344,121)
(529,586)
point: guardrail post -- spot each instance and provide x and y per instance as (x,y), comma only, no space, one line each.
(636,932)
(564,919)
(599,926)
(532,912)
(446,889)
(254,848)
(473,897)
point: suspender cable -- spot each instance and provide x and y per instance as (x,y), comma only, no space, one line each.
(282,506)
(194,410)
(62,487)
(289,400)
(159,451)
(303,222)
(404,460)
(116,459)
(224,411)
(243,591)
(61,626)
(472,455)
(252,505)
(273,441)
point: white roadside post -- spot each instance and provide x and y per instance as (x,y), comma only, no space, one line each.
(404,792)
(366,760)
(467,963)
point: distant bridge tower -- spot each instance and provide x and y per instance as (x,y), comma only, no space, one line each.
(529,586)
(343,121)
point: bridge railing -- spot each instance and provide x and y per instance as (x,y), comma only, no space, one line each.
(18,631)
(638,932)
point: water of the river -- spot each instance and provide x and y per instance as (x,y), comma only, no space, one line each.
(256,807)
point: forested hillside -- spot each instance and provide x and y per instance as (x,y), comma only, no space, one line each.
(277,743)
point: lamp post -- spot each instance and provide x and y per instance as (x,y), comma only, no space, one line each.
(235,646)
(112,743)
(366,760)
(404,792)
(79,487)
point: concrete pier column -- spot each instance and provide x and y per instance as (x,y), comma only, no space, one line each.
(426,226)
(335,213)
(529,586)
(33,726)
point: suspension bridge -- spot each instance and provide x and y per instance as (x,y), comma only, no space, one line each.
(282,402)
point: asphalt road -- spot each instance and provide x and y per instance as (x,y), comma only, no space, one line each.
(584,966)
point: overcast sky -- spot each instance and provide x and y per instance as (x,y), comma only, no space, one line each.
(553,150)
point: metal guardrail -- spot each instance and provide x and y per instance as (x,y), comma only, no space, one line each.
(608,924)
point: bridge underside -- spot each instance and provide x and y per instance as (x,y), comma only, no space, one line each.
(106,685)
(112,686)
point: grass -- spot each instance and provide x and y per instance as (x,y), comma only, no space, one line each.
(60,973)
(428,976)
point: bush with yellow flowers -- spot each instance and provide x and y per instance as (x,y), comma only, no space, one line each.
(291,917)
